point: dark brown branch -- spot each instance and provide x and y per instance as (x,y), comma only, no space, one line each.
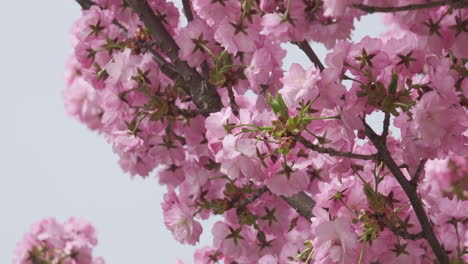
(419,170)
(258,193)
(410,190)
(307,49)
(404,234)
(161,36)
(232,99)
(203,94)
(188,113)
(386,126)
(167,68)
(333,152)
(187,10)
(85,4)
(392,9)
(302,203)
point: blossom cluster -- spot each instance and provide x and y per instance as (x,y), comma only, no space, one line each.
(52,242)
(283,133)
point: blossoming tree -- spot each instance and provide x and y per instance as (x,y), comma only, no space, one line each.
(286,157)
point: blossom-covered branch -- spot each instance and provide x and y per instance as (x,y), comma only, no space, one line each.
(392,9)
(333,152)
(203,94)
(283,155)
(410,190)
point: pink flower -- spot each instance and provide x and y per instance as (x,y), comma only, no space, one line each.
(192,39)
(335,242)
(215,123)
(331,89)
(264,65)
(299,85)
(274,26)
(123,67)
(215,12)
(335,7)
(236,37)
(123,141)
(234,241)
(71,241)
(179,220)
(268,259)
(83,103)
(437,123)
(238,157)
(207,255)
(281,181)
(267,5)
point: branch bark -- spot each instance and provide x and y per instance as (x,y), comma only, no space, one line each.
(258,193)
(205,96)
(302,203)
(167,68)
(307,49)
(85,4)
(333,152)
(386,126)
(419,171)
(393,9)
(410,189)
(187,10)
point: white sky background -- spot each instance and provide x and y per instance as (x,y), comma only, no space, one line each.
(51,165)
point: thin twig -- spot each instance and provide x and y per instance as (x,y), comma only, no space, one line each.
(392,9)
(411,192)
(419,171)
(333,152)
(307,49)
(386,125)
(404,234)
(244,202)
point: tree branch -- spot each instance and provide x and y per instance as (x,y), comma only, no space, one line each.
(205,96)
(392,9)
(386,126)
(302,203)
(410,190)
(258,193)
(187,10)
(404,234)
(232,99)
(166,67)
(307,49)
(85,4)
(333,152)
(419,171)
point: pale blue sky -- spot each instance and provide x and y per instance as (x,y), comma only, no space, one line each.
(51,165)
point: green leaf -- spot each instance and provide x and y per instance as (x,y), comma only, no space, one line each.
(392,87)
(279,107)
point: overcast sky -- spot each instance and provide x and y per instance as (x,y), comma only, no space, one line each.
(51,165)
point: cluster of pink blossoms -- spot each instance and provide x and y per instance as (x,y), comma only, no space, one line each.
(52,242)
(283,133)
